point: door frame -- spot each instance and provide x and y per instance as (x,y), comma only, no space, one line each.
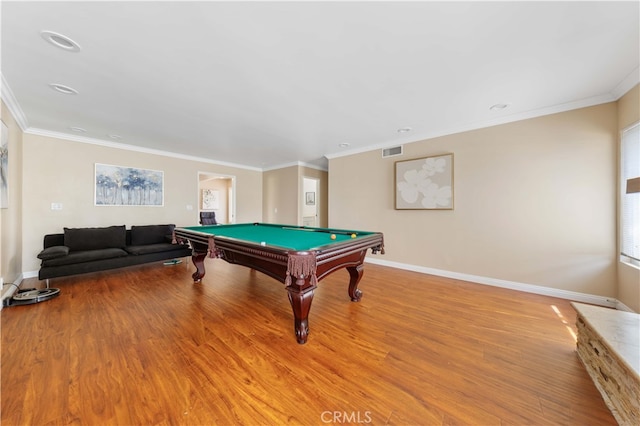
(230,195)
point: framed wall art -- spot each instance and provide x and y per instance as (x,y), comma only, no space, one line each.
(128,186)
(310,198)
(424,183)
(210,199)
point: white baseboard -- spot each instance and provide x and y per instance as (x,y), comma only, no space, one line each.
(609,302)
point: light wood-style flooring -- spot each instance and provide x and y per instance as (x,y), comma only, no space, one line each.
(145,345)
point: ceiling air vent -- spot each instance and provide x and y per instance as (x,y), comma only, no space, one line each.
(392,152)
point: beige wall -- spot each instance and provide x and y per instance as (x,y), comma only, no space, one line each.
(280,202)
(628,275)
(11,217)
(62,171)
(534,203)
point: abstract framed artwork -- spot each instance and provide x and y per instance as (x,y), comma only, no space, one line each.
(128,186)
(424,183)
(210,199)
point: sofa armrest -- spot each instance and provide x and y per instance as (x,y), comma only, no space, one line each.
(53,252)
(51,240)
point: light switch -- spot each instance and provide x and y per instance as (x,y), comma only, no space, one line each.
(56,206)
(189,207)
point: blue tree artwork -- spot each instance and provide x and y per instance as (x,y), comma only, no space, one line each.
(128,186)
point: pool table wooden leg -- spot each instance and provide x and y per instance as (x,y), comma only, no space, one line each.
(198,261)
(300,297)
(198,255)
(355,272)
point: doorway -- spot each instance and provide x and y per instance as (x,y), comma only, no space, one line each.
(216,193)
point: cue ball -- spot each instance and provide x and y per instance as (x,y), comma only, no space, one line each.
(353,235)
(333,236)
(262,243)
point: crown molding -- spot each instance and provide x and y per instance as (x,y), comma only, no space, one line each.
(295,164)
(616,93)
(628,83)
(582,103)
(116,145)
(313,166)
(14,107)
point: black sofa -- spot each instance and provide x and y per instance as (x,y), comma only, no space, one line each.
(83,250)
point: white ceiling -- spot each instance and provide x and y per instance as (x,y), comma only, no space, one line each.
(270,84)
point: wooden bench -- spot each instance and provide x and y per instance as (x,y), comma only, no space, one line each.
(609,347)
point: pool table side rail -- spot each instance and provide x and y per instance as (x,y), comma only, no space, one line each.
(347,255)
(203,238)
(282,226)
(273,261)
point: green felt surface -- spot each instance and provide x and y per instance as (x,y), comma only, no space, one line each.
(285,236)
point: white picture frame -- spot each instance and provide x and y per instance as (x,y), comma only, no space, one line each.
(424,183)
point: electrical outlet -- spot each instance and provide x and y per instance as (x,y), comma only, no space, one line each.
(56,206)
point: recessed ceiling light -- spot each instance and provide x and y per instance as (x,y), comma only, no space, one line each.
(78,129)
(498,107)
(116,137)
(63,89)
(343,145)
(404,129)
(61,41)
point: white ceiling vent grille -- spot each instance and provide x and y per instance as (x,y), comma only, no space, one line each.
(392,152)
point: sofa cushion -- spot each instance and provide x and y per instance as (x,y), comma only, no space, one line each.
(151,234)
(85,256)
(79,239)
(53,252)
(153,248)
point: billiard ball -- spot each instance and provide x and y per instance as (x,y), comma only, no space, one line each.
(333,236)
(353,235)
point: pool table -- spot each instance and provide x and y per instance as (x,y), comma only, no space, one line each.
(297,256)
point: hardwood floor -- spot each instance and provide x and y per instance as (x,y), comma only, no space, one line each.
(146,345)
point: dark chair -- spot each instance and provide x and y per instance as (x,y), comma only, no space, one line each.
(208,218)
